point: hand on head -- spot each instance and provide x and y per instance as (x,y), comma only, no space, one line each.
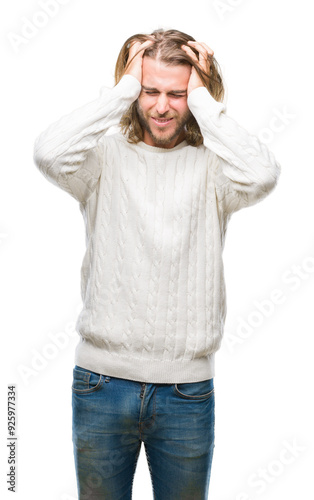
(135,59)
(205,53)
(202,61)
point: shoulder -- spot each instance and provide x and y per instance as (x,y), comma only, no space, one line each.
(115,139)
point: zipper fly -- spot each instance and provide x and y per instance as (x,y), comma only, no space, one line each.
(143,389)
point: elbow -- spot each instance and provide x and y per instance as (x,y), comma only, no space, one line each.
(41,157)
(267,183)
(37,158)
(38,154)
(271,179)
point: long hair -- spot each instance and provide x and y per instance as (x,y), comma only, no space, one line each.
(167,49)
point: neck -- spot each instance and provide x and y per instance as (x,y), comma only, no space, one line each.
(151,141)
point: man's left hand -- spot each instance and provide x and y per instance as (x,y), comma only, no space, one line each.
(202,61)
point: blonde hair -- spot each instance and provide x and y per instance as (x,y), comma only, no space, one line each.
(167,48)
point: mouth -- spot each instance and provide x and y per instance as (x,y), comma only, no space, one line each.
(161,122)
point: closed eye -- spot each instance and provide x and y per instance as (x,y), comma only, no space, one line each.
(176,95)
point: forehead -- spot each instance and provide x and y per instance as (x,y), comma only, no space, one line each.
(158,75)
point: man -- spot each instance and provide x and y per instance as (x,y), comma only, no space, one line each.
(156,198)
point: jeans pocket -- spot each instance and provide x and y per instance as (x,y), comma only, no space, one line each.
(195,390)
(85,381)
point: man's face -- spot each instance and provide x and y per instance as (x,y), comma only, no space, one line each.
(162,104)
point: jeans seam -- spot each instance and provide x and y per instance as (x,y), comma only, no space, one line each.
(92,389)
(153,416)
(188,396)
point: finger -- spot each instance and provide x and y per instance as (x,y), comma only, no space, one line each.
(205,54)
(136,51)
(209,50)
(202,47)
(147,43)
(137,46)
(190,52)
(201,61)
(201,58)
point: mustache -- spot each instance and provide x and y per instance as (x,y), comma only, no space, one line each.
(163,116)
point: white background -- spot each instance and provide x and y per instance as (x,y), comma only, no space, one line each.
(264,369)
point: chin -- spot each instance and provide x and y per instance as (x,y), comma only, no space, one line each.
(164,139)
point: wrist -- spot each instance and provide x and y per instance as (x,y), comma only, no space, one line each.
(135,69)
(195,86)
(134,73)
(129,87)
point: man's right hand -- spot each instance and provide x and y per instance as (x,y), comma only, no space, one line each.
(135,59)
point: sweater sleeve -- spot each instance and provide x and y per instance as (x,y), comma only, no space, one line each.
(69,152)
(247,170)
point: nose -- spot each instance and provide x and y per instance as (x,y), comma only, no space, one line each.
(162,105)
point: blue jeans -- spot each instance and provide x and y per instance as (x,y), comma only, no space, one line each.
(111,418)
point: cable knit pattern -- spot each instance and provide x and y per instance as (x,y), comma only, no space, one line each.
(152,278)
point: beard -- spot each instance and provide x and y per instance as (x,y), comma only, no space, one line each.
(163,138)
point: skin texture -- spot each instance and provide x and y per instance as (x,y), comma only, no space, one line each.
(162,105)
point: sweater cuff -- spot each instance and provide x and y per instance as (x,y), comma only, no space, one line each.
(128,86)
(129,81)
(200,98)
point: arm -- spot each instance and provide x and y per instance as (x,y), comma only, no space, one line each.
(247,171)
(68,152)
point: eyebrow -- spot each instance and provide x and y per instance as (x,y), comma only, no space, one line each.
(153,89)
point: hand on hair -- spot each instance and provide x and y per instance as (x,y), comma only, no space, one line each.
(202,61)
(135,59)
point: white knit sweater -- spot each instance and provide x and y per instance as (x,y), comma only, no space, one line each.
(152,279)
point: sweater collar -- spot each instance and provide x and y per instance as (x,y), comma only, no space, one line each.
(154,149)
